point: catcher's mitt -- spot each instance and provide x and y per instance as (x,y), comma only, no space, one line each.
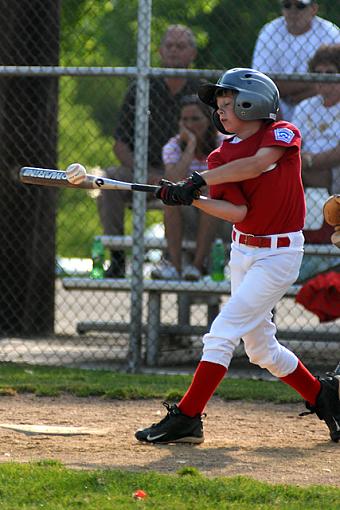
(331,212)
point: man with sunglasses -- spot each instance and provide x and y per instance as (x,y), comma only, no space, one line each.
(286,44)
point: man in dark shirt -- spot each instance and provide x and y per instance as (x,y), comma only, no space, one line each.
(177,50)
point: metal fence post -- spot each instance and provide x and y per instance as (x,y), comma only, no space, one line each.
(140,175)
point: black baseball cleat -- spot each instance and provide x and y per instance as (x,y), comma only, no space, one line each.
(176,427)
(327,405)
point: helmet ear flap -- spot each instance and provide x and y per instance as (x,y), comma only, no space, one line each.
(218,124)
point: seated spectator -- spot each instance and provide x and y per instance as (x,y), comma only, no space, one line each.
(183,154)
(177,50)
(286,44)
(318,119)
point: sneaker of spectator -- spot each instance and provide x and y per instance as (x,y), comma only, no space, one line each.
(165,271)
(191,272)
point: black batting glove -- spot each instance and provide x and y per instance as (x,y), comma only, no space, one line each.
(165,193)
(196,180)
(188,190)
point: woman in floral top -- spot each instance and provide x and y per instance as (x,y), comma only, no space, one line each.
(183,154)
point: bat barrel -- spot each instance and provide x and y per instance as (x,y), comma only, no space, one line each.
(49,177)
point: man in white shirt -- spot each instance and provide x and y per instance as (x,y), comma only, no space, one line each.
(286,44)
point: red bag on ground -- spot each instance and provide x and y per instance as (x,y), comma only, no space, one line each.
(321,295)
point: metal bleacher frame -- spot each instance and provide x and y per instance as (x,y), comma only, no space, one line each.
(153,328)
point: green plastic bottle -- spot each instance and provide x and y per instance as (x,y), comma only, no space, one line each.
(217,261)
(98,255)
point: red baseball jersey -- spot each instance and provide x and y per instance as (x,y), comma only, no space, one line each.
(275,199)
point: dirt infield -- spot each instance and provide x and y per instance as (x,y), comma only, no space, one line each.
(265,441)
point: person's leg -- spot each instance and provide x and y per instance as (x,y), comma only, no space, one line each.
(266,281)
(256,288)
(183,422)
(259,279)
(206,379)
(111,204)
(305,383)
(190,218)
(169,268)
(218,347)
(206,233)
(322,395)
(264,350)
(111,207)
(202,228)
(173,224)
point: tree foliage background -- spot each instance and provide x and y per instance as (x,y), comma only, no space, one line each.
(104,33)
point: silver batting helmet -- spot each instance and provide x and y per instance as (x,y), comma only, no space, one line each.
(257,96)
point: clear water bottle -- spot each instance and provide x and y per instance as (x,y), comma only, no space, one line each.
(217,261)
(98,255)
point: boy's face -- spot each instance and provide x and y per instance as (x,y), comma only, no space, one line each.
(225,110)
(329,91)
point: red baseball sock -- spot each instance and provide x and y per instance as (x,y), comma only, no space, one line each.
(205,381)
(304,383)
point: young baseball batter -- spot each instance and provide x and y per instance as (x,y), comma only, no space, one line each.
(255,183)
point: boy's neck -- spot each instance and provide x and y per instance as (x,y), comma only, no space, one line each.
(249,128)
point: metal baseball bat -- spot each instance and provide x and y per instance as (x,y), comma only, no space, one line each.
(50,177)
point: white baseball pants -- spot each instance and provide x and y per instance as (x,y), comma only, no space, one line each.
(259,278)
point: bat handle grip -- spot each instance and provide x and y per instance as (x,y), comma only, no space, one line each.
(144,187)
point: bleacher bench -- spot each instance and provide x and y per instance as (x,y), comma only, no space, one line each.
(154,288)
(121,242)
(153,328)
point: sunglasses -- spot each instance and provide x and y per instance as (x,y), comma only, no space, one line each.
(297,5)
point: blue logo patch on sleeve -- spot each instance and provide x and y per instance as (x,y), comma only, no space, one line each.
(284,135)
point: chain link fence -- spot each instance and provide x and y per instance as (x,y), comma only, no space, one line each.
(102,83)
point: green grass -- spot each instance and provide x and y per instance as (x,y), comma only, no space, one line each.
(50,486)
(51,381)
